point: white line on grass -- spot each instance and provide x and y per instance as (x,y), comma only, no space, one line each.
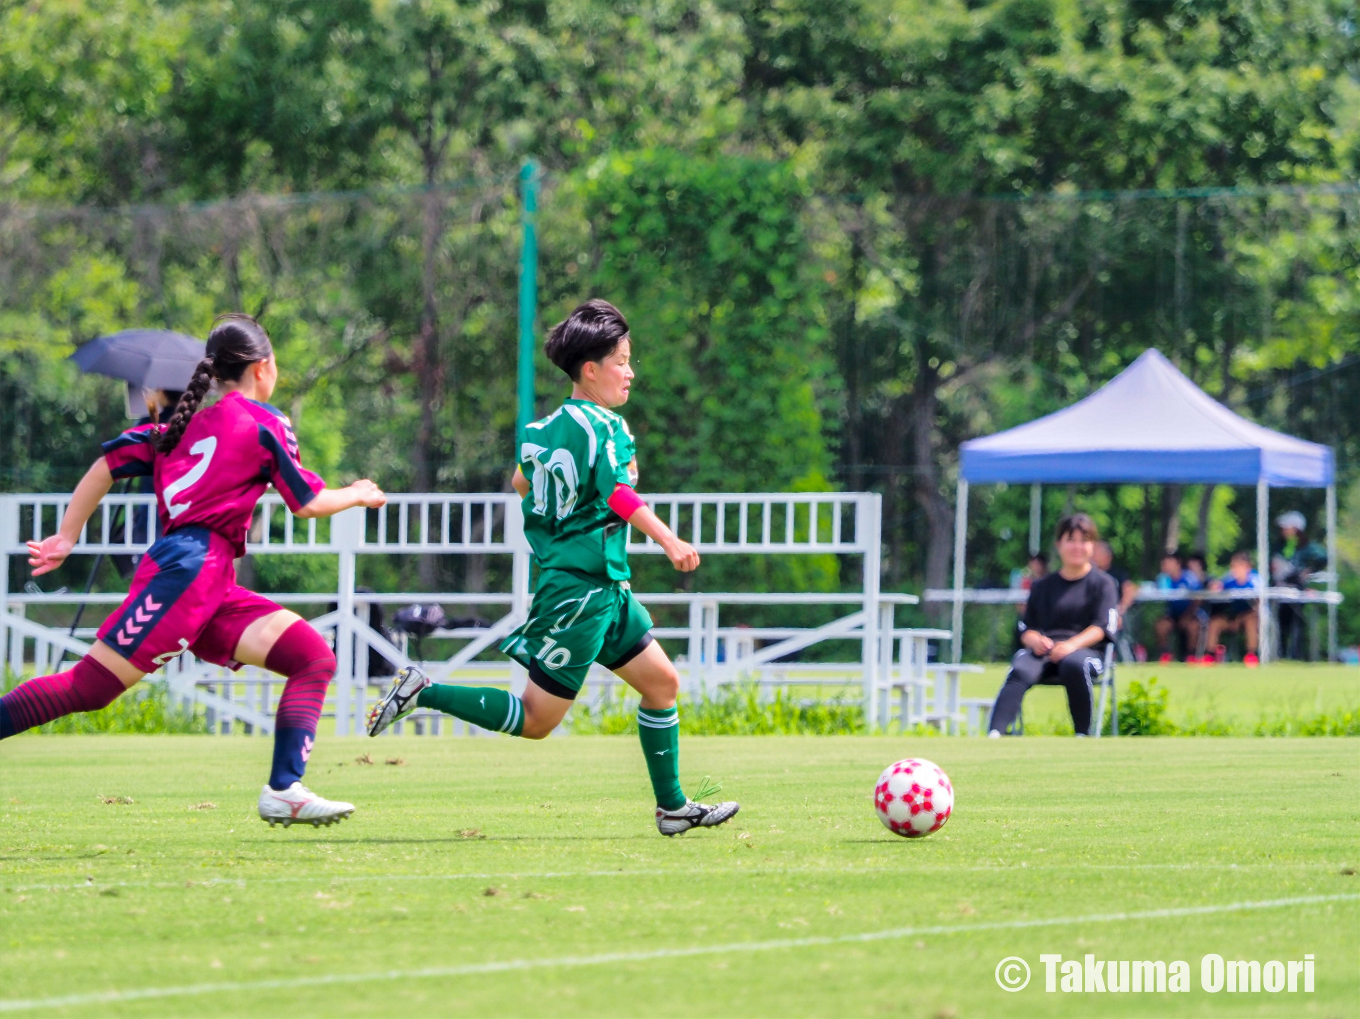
(571,961)
(241,882)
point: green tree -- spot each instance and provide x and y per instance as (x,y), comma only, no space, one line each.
(707,259)
(908,109)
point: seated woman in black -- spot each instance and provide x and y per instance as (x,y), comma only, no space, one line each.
(1069,615)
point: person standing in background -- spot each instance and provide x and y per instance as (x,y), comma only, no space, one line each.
(1128,588)
(1292,563)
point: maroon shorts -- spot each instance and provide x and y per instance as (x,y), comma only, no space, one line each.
(184,597)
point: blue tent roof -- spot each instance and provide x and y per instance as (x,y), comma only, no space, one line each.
(1148,424)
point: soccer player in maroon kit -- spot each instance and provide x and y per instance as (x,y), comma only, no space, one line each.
(210,467)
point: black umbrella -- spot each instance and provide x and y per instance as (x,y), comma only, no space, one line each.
(149,358)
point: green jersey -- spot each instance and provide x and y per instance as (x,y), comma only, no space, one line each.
(573,459)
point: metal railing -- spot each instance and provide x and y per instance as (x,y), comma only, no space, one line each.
(491,524)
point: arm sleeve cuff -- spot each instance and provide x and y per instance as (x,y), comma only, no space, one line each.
(625,502)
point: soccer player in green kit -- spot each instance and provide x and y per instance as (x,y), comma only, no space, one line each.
(577,476)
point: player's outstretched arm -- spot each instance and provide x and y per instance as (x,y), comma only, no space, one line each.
(626,504)
(330,501)
(46,555)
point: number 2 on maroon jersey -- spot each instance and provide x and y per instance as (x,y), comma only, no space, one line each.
(204,448)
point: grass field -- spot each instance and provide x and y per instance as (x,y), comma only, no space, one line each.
(495,876)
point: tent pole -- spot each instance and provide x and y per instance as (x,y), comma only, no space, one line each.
(1264,637)
(960,542)
(1036,515)
(1332,565)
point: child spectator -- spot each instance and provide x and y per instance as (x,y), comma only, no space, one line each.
(1237,616)
(1180,615)
(1197,567)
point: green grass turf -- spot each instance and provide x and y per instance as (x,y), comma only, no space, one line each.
(1197,692)
(499,850)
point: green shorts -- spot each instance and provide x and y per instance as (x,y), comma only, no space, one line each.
(574,621)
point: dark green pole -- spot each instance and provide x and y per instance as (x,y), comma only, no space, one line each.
(528,296)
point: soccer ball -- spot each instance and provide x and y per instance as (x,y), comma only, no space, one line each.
(913,798)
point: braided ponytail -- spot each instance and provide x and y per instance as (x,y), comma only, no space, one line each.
(236,342)
(187,405)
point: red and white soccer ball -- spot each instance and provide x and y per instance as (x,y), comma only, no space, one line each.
(913,798)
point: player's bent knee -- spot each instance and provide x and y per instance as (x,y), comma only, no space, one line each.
(668,683)
(536,726)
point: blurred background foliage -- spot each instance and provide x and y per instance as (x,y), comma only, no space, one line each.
(848,234)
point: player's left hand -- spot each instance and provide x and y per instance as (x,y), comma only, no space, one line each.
(682,556)
(46,555)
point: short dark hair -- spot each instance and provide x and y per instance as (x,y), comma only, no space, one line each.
(1077,523)
(1198,557)
(1243,557)
(590,333)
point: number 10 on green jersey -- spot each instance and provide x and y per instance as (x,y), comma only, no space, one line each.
(573,459)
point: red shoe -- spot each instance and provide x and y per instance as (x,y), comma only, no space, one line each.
(1192,659)
(1251,661)
(1166,659)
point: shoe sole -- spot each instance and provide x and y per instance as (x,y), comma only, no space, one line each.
(376,730)
(315,822)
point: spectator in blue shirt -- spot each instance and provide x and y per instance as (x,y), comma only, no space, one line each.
(1237,616)
(1180,615)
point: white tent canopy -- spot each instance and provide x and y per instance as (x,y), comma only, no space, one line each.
(1150,425)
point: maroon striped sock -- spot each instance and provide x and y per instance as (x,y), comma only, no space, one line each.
(306,659)
(88,686)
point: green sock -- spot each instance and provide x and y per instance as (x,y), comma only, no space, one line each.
(481,705)
(659,730)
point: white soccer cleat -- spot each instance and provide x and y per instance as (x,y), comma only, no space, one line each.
(299,805)
(399,701)
(694,815)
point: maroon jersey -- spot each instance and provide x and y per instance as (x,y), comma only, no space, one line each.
(216,474)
